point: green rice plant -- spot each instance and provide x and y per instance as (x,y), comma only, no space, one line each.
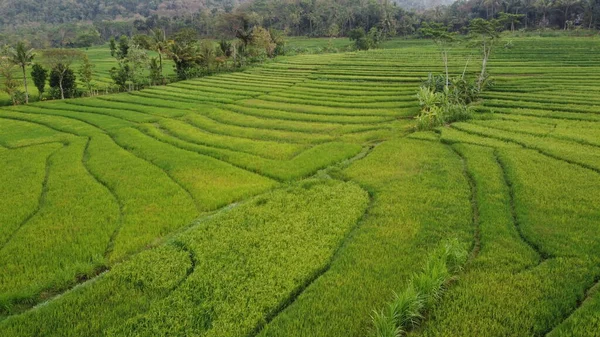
(203,121)
(212,183)
(323,110)
(517,111)
(98,123)
(167,108)
(207,88)
(65,239)
(69,107)
(129,110)
(224,276)
(15,134)
(58,123)
(146,195)
(22,176)
(583,322)
(496,103)
(275,113)
(519,292)
(338,104)
(585,155)
(316,129)
(97,305)
(343,96)
(399,174)
(578,131)
(265,149)
(183,96)
(302,165)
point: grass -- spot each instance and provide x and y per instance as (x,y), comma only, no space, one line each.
(293,198)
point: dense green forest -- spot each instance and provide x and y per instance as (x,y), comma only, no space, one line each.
(81,23)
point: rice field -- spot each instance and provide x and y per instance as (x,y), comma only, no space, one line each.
(294,198)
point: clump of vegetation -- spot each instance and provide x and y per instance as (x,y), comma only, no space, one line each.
(443,99)
(424,289)
(445,105)
(365,41)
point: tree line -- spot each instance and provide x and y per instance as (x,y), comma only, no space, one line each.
(139,61)
(96,22)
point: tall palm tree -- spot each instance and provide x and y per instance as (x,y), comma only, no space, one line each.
(22,57)
(159,44)
(566,5)
(544,6)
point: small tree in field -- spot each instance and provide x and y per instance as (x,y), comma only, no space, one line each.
(9,84)
(359,36)
(86,73)
(485,35)
(60,61)
(62,82)
(443,39)
(39,75)
(22,57)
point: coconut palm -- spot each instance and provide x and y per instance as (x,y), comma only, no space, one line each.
(566,5)
(22,57)
(159,43)
(544,6)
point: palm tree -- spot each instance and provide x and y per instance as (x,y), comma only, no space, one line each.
(159,44)
(566,5)
(544,6)
(22,57)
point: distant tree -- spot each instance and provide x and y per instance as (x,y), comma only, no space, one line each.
(359,36)
(39,74)
(86,73)
(10,84)
(590,6)
(511,19)
(206,53)
(262,43)
(185,55)
(137,59)
(226,48)
(155,72)
(245,33)
(485,36)
(122,47)
(113,47)
(63,82)
(375,37)
(159,44)
(333,30)
(565,6)
(443,40)
(60,61)
(121,75)
(87,38)
(544,6)
(22,57)
(278,37)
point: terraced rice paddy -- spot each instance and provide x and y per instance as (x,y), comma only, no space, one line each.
(292,199)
